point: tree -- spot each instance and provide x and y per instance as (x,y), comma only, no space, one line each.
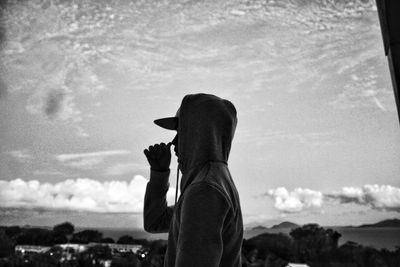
(100,252)
(65,228)
(158,246)
(63,232)
(6,245)
(107,240)
(12,231)
(126,239)
(311,240)
(131,260)
(87,236)
(36,236)
(279,245)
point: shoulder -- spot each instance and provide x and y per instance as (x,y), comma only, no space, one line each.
(204,191)
(211,180)
(217,174)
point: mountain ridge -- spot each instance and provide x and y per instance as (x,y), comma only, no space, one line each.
(285,225)
(389,223)
(382,224)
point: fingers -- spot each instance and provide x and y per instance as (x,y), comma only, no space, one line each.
(146,153)
(159,156)
(156,150)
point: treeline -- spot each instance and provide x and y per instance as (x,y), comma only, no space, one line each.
(309,244)
(60,234)
(314,246)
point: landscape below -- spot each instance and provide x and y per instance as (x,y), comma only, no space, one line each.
(279,245)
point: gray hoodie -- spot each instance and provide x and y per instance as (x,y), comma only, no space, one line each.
(205,226)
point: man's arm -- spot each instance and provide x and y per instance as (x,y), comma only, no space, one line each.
(200,243)
(156,214)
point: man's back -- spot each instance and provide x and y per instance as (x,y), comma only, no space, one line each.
(207,227)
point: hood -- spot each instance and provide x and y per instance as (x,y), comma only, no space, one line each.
(206,128)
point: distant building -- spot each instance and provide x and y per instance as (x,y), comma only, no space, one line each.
(23,249)
(76,247)
(106,263)
(121,248)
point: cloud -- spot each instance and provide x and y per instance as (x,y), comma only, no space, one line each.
(67,157)
(53,102)
(3,86)
(22,155)
(261,137)
(88,160)
(124,168)
(295,201)
(47,172)
(84,163)
(379,197)
(365,91)
(81,132)
(82,194)
(56,102)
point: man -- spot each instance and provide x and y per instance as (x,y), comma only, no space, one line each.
(205,226)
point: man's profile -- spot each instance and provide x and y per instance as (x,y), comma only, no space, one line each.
(205,225)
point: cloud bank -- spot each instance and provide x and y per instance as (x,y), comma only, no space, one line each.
(295,201)
(379,197)
(82,194)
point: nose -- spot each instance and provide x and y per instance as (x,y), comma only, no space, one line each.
(175,143)
(175,140)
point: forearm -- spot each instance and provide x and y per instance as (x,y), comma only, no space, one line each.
(156,214)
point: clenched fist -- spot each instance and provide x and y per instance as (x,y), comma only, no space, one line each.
(159,156)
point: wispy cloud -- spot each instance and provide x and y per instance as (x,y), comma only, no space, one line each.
(21,155)
(295,201)
(55,104)
(99,154)
(84,163)
(379,197)
(3,86)
(81,194)
(89,160)
(310,138)
(81,132)
(124,168)
(47,172)
(364,91)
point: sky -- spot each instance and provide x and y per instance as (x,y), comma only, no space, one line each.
(318,137)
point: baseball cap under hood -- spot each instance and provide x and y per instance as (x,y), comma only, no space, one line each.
(169,123)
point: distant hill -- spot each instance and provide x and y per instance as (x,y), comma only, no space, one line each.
(259,227)
(285,225)
(385,223)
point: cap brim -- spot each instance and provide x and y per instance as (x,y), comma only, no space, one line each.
(170,123)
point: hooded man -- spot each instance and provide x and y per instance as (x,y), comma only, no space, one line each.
(205,225)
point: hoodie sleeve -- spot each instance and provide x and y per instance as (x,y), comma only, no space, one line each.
(200,243)
(156,214)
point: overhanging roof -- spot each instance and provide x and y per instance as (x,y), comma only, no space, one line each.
(389,17)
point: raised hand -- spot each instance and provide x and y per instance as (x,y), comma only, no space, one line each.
(159,156)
